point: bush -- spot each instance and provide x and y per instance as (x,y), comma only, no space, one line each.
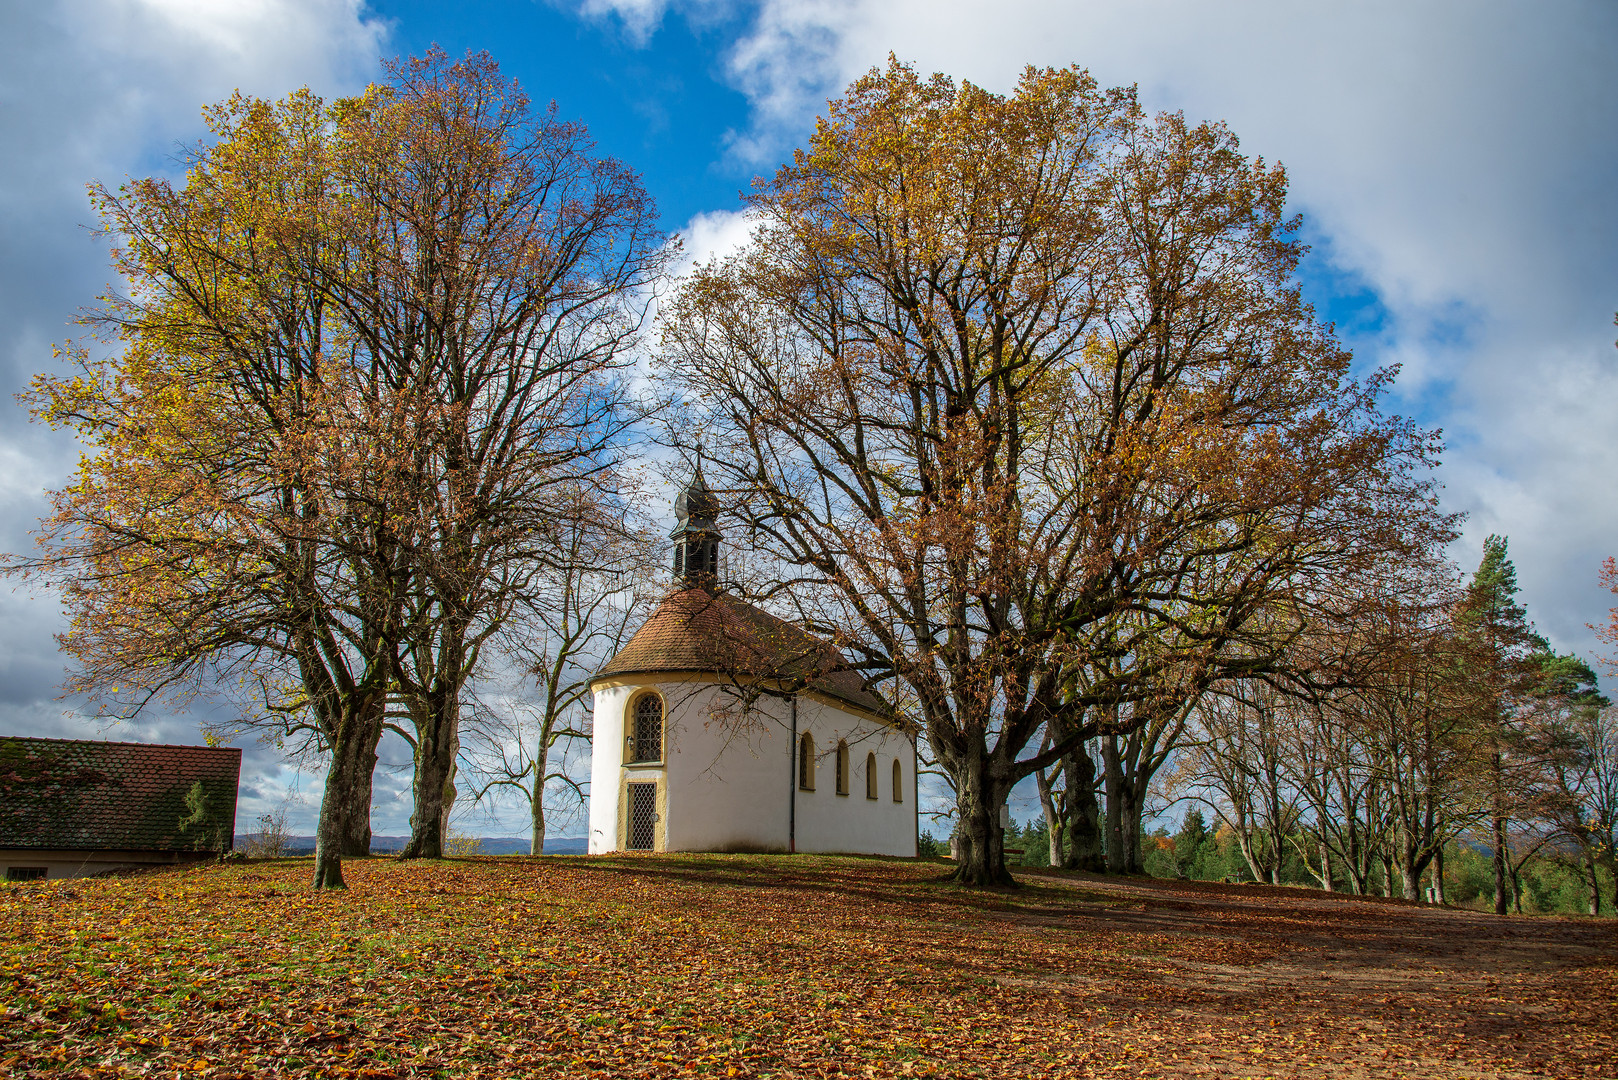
(458,845)
(929,847)
(271,840)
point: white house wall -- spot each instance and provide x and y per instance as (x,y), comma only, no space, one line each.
(828,821)
(726,789)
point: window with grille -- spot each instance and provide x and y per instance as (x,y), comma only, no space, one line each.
(26,873)
(870,776)
(642,817)
(898,782)
(647,737)
(806,762)
(842,768)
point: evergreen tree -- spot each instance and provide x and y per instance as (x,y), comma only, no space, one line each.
(1513,670)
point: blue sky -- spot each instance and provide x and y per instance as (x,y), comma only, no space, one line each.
(1455,162)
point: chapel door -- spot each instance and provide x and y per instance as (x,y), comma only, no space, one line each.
(642,817)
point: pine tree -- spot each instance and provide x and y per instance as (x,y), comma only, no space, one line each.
(1509,661)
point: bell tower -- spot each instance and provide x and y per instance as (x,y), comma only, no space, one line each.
(696,536)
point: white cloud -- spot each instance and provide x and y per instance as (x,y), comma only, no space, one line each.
(88,89)
(712,235)
(1456,156)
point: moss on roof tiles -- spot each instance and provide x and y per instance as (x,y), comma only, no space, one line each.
(85,795)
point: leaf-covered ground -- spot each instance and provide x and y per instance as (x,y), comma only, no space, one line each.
(772,966)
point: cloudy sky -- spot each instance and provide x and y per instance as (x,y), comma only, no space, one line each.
(1456,164)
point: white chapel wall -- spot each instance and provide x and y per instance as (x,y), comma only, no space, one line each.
(828,821)
(729,786)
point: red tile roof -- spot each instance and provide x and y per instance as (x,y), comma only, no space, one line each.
(96,796)
(701,632)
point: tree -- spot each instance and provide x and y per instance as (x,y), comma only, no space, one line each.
(599,596)
(510,269)
(1010,385)
(234,522)
(367,369)
(1517,677)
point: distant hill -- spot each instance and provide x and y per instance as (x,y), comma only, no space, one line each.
(492,845)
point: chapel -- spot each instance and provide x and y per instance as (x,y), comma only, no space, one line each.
(720,727)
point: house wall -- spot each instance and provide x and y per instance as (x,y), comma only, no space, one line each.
(70,864)
(727,782)
(828,821)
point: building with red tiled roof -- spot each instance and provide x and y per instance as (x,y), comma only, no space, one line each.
(71,807)
(722,727)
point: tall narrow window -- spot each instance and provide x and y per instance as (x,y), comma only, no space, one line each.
(647,736)
(898,782)
(870,776)
(842,768)
(806,762)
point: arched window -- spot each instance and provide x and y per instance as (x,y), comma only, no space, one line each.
(646,734)
(870,776)
(806,762)
(842,768)
(898,782)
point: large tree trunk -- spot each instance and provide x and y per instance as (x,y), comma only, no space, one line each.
(1438,875)
(356,835)
(1114,784)
(437,744)
(981,851)
(353,733)
(329,834)
(1410,872)
(1083,813)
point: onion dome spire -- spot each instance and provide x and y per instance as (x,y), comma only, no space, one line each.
(696,535)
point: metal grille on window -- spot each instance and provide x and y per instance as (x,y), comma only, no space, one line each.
(649,728)
(842,768)
(26,873)
(642,817)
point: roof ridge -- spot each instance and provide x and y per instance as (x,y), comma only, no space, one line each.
(122,742)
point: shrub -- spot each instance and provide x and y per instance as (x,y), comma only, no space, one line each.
(271,840)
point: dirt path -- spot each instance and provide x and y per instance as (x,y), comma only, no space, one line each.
(1265,981)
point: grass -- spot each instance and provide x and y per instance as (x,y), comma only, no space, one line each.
(760,966)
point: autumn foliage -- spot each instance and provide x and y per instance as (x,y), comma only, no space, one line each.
(1020,392)
(736,966)
(364,373)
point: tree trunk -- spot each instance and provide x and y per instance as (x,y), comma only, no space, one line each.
(1410,873)
(1084,813)
(981,853)
(1387,871)
(1595,880)
(1259,869)
(356,835)
(1500,869)
(536,805)
(329,834)
(1113,782)
(1053,819)
(437,744)
(354,734)
(1327,881)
